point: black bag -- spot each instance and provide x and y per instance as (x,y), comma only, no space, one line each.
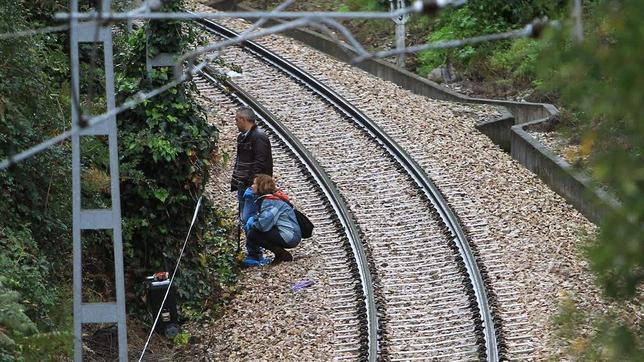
(306,226)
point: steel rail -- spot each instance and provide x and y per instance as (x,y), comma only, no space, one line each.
(409,164)
(333,195)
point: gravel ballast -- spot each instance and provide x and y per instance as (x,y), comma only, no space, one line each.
(538,235)
(266,320)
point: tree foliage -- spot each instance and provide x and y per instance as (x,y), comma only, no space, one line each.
(166,148)
(600,81)
(35,194)
(491,60)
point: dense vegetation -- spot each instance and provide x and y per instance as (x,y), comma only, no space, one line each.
(600,82)
(35,197)
(165,146)
(166,151)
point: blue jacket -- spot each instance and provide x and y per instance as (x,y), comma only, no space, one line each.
(274,212)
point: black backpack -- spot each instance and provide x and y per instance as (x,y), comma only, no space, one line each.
(306,226)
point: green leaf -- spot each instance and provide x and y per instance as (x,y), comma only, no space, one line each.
(161,194)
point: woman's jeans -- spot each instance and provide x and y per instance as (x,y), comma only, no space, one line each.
(246,210)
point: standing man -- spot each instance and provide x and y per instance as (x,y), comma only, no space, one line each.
(253,157)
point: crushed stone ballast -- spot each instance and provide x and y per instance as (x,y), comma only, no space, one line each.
(398,276)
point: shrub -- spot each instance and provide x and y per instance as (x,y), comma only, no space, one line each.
(479,17)
(600,80)
(35,197)
(166,147)
(29,301)
(518,62)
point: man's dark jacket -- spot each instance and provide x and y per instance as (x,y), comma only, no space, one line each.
(253,157)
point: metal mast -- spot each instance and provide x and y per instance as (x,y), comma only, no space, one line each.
(96,219)
(400,29)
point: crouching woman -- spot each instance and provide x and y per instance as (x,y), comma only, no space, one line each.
(274,227)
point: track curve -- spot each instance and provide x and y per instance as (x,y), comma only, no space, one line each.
(490,350)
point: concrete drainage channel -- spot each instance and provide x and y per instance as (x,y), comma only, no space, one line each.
(510,132)
(488,346)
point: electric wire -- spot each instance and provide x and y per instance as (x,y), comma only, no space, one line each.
(189,57)
(31,32)
(418,6)
(262,21)
(531,30)
(93,121)
(144,11)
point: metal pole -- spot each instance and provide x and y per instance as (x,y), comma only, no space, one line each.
(76,190)
(96,219)
(400,22)
(577,15)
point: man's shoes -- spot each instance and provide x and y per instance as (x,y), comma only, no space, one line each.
(251,262)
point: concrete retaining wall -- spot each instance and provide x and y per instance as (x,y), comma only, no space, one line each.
(498,130)
(573,185)
(509,131)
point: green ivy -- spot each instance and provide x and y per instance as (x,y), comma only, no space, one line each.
(35,196)
(479,17)
(166,148)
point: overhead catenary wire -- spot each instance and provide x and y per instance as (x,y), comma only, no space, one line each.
(137,99)
(174,273)
(96,120)
(534,30)
(192,55)
(32,32)
(145,11)
(231,14)
(418,6)
(262,21)
(189,57)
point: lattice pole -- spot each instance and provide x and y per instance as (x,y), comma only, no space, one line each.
(96,219)
(400,29)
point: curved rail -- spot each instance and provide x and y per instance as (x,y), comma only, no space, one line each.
(335,199)
(409,164)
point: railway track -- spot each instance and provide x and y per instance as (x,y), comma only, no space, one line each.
(336,231)
(431,298)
